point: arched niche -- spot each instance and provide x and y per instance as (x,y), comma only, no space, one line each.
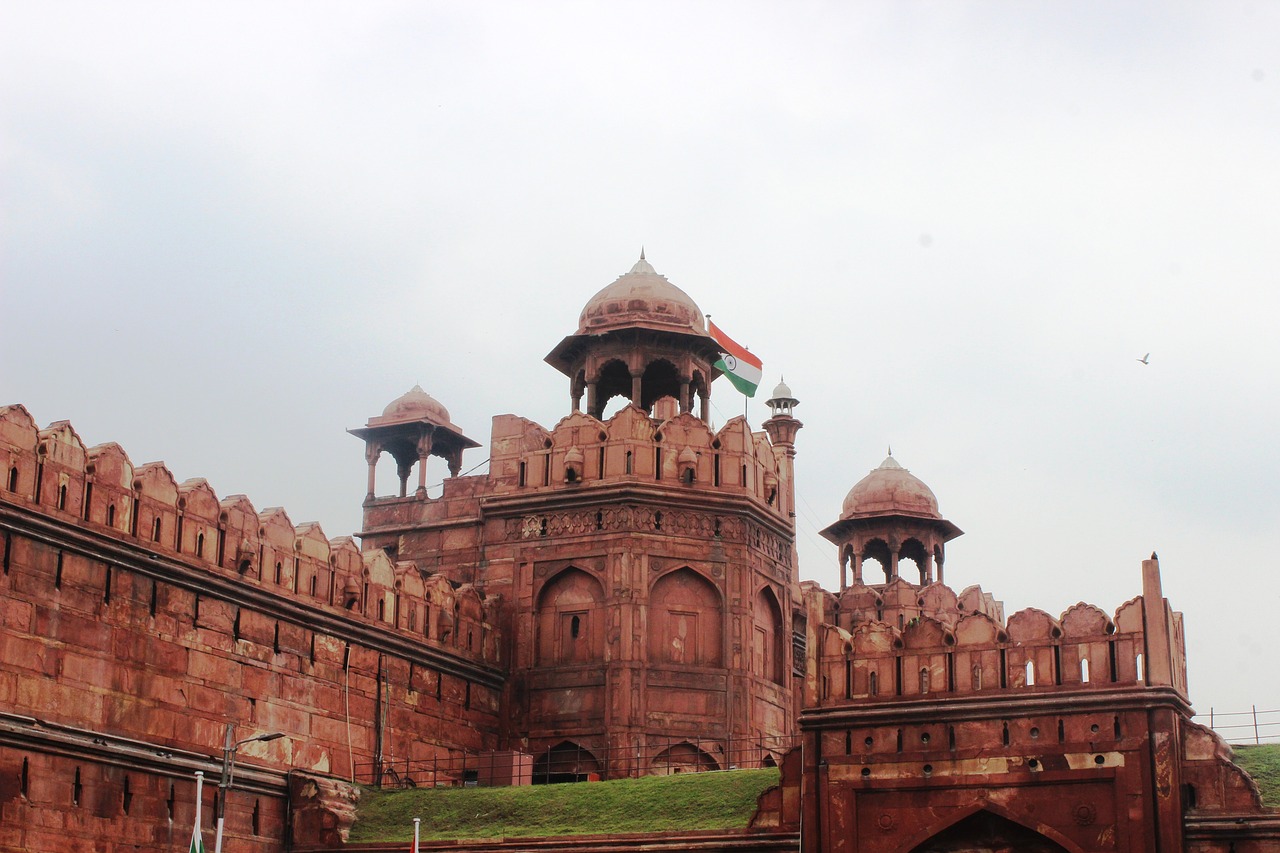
(768,652)
(570,619)
(685,620)
(566,762)
(682,758)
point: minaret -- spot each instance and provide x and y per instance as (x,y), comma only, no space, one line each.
(782,428)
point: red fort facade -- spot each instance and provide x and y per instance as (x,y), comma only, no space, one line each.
(617,596)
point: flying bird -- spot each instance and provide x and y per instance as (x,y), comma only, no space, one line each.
(1146,359)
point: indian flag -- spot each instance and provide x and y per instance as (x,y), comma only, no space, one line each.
(742,368)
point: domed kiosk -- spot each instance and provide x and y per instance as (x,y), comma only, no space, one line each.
(412,427)
(890,515)
(642,338)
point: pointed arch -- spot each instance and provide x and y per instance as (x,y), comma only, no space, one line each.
(768,652)
(660,379)
(613,380)
(877,551)
(567,761)
(570,623)
(685,620)
(682,757)
(986,828)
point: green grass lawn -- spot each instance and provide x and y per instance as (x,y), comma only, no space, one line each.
(691,801)
(1263,764)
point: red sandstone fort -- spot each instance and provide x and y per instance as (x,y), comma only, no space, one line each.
(614,597)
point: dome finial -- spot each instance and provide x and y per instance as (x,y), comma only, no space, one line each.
(891,450)
(642,253)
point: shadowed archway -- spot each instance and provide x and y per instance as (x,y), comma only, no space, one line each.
(987,832)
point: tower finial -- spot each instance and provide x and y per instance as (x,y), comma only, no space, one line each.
(891,450)
(642,253)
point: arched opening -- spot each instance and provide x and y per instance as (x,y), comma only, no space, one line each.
(685,622)
(614,381)
(913,552)
(876,552)
(987,832)
(565,762)
(570,628)
(13,479)
(660,379)
(768,654)
(682,758)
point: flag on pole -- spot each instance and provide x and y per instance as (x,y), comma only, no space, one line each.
(742,368)
(197,840)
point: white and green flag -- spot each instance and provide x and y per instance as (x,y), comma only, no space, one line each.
(741,367)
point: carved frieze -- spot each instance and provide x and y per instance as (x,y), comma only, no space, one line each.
(676,522)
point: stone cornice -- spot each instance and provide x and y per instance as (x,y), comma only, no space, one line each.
(949,707)
(28,733)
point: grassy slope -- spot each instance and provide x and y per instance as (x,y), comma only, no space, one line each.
(1263,764)
(725,800)
(686,802)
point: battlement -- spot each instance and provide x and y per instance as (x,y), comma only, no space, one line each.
(899,640)
(581,452)
(51,471)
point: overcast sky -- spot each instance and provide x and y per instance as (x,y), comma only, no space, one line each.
(231,231)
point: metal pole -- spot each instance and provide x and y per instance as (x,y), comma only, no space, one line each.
(228,748)
(416,822)
(1256,738)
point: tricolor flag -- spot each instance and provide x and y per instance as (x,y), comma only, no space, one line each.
(197,840)
(742,368)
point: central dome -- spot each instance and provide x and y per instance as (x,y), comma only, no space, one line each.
(641,297)
(890,490)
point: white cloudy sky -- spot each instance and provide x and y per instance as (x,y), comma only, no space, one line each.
(232,230)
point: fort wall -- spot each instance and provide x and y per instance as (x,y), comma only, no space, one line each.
(151,614)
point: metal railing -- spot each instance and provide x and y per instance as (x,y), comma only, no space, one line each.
(573,763)
(1243,727)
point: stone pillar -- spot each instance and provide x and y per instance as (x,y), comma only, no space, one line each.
(591,401)
(424,450)
(857,567)
(403,467)
(844,573)
(704,405)
(686,401)
(637,388)
(893,564)
(371,453)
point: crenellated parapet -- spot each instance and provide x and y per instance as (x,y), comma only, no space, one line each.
(52,473)
(582,453)
(901,640)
